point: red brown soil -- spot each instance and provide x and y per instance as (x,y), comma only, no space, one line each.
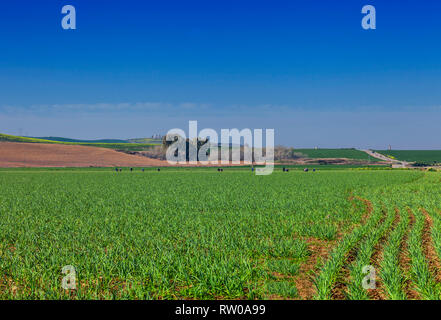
(339,291)
(305,281)
(17,154)
(319,253)
(429,249)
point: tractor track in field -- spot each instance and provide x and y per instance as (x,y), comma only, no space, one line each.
(305,280)
(405,261)
(339,290)
(367,212)
(369,208)
(320,250)
(432,258)
(377,257)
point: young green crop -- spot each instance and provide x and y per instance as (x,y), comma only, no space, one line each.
(180,233)
(326,280)
(366,249)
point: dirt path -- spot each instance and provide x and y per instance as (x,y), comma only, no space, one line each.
(433,261)
(305,280)
(379,156)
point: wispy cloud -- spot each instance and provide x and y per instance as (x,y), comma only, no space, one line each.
(90,108)
(189,109)
(140,108)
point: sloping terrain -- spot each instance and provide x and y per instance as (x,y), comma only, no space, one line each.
(395,163)
(120,146)
(429,156)
(61,139)
(21,154)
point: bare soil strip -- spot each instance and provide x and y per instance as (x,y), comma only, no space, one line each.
(304,282)
(429,249)
(17,154)
(338,292)
(320,249)
(405,262)
(377,257)
(340,288)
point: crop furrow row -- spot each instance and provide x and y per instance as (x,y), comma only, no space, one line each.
(325,281)
(423,279)
(391,272)
(355,290)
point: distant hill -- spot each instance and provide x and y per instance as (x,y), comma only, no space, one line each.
(11,138)
(60,139)
(145,140)
(121,146)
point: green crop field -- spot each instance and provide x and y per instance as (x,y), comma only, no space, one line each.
(428,156)
(205,234)
(335,153)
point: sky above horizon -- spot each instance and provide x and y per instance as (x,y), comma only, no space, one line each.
(305,68)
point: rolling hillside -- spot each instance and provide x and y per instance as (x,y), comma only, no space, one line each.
(125,146)
(60,139)
(145,140)
(426,156)
(27,155)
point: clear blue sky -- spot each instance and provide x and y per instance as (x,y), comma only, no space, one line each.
(305,68)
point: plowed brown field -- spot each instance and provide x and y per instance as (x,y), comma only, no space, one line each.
(15,154)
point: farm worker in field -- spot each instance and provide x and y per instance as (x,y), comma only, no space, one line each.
(306,170)
(131,169)
(116,169)
(142,169)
